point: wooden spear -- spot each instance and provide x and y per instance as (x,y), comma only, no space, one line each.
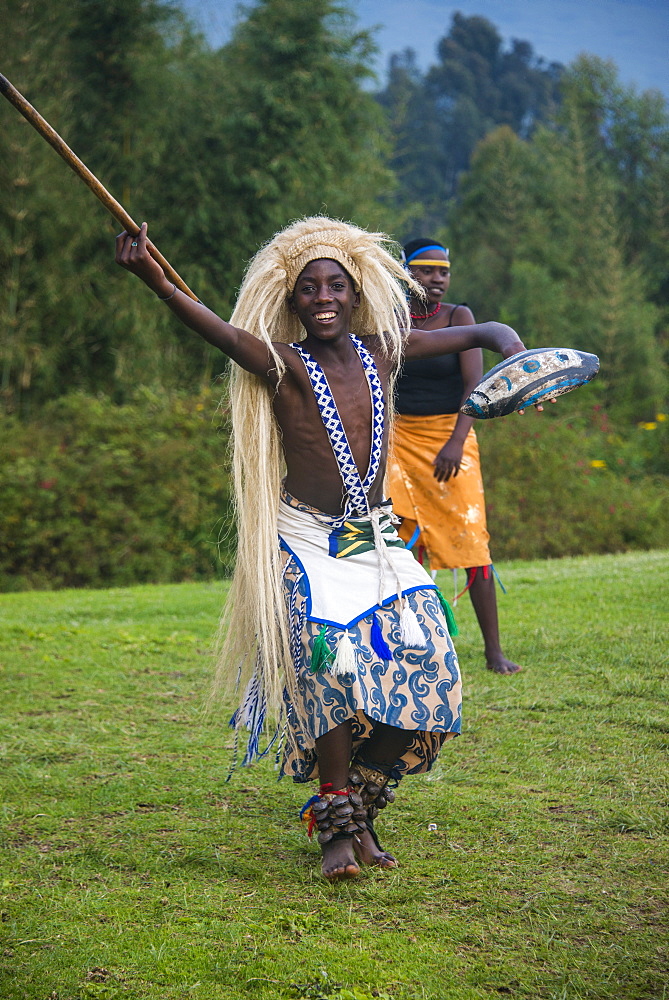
(42,126)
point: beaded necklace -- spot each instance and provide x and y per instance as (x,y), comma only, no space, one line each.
(426,315)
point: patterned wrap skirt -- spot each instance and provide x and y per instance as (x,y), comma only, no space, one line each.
(418,690)
(450,515)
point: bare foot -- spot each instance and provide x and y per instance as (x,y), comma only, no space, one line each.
(338,860)
(370,853)
(500,665)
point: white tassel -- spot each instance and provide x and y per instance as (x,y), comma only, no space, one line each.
(412,634)
(345,661)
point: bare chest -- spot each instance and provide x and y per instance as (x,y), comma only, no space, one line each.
(303,421)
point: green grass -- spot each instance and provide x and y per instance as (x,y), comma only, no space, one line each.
(130,869)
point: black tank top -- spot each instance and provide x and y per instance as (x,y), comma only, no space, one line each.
(430,386)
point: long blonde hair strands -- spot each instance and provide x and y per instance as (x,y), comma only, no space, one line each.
(254,646)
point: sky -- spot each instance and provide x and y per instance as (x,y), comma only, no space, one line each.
(632,33)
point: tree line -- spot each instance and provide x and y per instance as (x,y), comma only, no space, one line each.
(549,183)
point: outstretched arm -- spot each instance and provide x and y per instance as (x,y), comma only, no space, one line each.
(248,351)
(452,340)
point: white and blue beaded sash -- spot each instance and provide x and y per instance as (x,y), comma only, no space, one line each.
(356,488)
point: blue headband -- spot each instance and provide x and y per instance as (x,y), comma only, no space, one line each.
(422,250)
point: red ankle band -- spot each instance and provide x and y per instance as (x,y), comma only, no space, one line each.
(327,789)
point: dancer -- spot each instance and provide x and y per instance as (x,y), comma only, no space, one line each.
(332,630)
(435,472)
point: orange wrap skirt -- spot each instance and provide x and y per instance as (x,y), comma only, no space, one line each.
(450,515)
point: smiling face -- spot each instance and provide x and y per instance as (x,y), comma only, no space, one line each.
(324,299)
(434,279)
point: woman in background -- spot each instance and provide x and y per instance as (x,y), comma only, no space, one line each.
(435,473)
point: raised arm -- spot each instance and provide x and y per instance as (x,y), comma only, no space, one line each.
(452,340)
(248,351)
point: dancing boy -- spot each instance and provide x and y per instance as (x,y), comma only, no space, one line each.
(332,629)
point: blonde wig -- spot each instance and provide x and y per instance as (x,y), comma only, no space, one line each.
(254,646)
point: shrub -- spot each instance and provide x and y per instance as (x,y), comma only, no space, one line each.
(562,484)
(99,495)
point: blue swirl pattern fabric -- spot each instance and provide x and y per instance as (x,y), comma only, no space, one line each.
(419,690)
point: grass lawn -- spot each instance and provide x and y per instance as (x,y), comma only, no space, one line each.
(130,869)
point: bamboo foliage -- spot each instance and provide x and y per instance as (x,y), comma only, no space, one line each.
(216,150)
(558,221)
(541,235)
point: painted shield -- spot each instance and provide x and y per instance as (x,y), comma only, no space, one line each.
(527,378)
